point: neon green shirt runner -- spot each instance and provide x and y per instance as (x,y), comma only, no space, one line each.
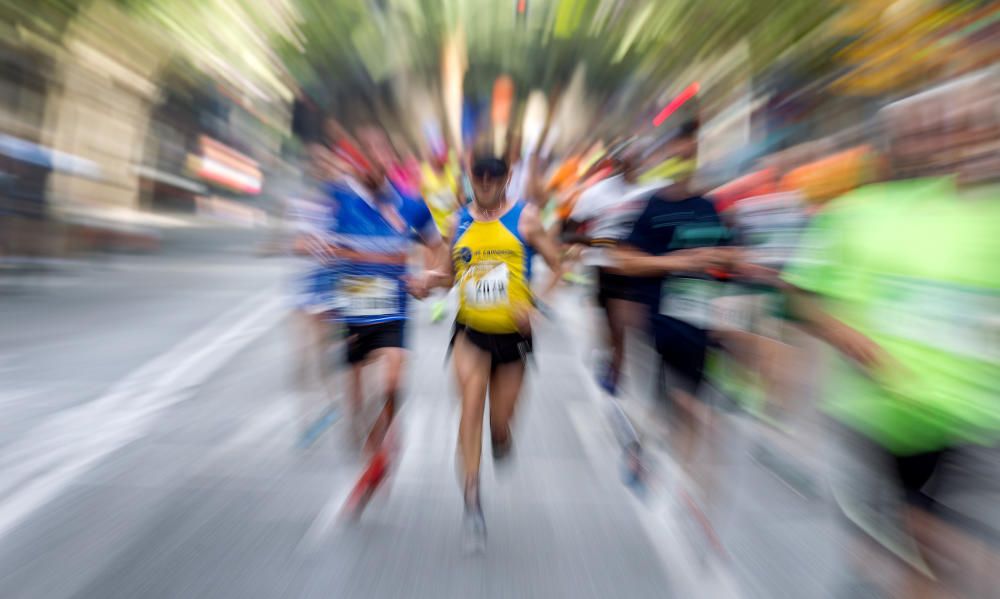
(915,265)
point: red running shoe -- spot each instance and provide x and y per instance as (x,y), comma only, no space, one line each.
(365,488)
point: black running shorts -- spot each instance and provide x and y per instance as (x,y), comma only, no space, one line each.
(615,286)
(503,348)
(362,340)
(683,349)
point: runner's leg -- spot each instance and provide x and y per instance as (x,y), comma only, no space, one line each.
(619,313)
(472,367)
(392,359)
(356,398)
(505,388)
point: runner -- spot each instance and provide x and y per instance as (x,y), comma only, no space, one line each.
(673,246)
(371,237)
(602,216)
(310,211)
(903,279)
(440,189)
(492,248)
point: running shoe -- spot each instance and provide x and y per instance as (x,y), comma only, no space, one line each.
(608,380)
(365,488)
(473,522)
(634,469)
(318,427)
(474,529)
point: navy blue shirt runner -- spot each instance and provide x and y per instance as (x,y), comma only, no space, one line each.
(669,225)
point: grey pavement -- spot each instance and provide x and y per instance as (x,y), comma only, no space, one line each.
(185,479)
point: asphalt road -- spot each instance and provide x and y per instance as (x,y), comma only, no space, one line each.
(148,448)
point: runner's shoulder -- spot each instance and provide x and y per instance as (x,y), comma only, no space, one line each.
(337,189)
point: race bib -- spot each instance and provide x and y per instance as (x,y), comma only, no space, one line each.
(368,296)
(689,300)
(734,311)
(486,285)
(960,320)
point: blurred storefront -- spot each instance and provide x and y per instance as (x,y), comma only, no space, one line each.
(25,72)
(102,96)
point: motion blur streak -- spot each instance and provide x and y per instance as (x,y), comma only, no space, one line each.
(742,253)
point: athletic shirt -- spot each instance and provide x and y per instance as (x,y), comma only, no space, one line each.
(367,291)
(492,265)
(915,266)
(440,193)
(678,301)
(609,210)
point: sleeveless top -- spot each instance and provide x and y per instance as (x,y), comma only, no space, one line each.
(492,263)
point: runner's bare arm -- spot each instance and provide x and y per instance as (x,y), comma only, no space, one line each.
(808,312)
(631,262)
(434,274)
(536,236)
(442,275)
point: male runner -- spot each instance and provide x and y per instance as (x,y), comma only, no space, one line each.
(672,246)
(371,238)
(903,279)
(492,248)
(602,216)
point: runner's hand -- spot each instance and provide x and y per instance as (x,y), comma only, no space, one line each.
(756,272)
(701,259)
(418,285)
(862,350)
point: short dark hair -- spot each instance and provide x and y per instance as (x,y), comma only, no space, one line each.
(490,167)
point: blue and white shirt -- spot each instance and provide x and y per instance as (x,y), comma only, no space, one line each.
(369,275)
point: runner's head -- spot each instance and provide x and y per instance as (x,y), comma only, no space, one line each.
(369,170)
(684,144)
(439,160)
(489,181)
(683,147)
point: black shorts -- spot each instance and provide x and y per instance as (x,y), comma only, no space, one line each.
(909,474)
(683,350)
(914,472)
(503,348)
(363,339)
(614,286)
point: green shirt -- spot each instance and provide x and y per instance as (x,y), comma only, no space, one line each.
(916,267)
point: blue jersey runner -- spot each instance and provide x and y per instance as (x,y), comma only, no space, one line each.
(368,278)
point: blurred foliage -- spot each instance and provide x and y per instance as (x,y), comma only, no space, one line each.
(352,43)
(338,51)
